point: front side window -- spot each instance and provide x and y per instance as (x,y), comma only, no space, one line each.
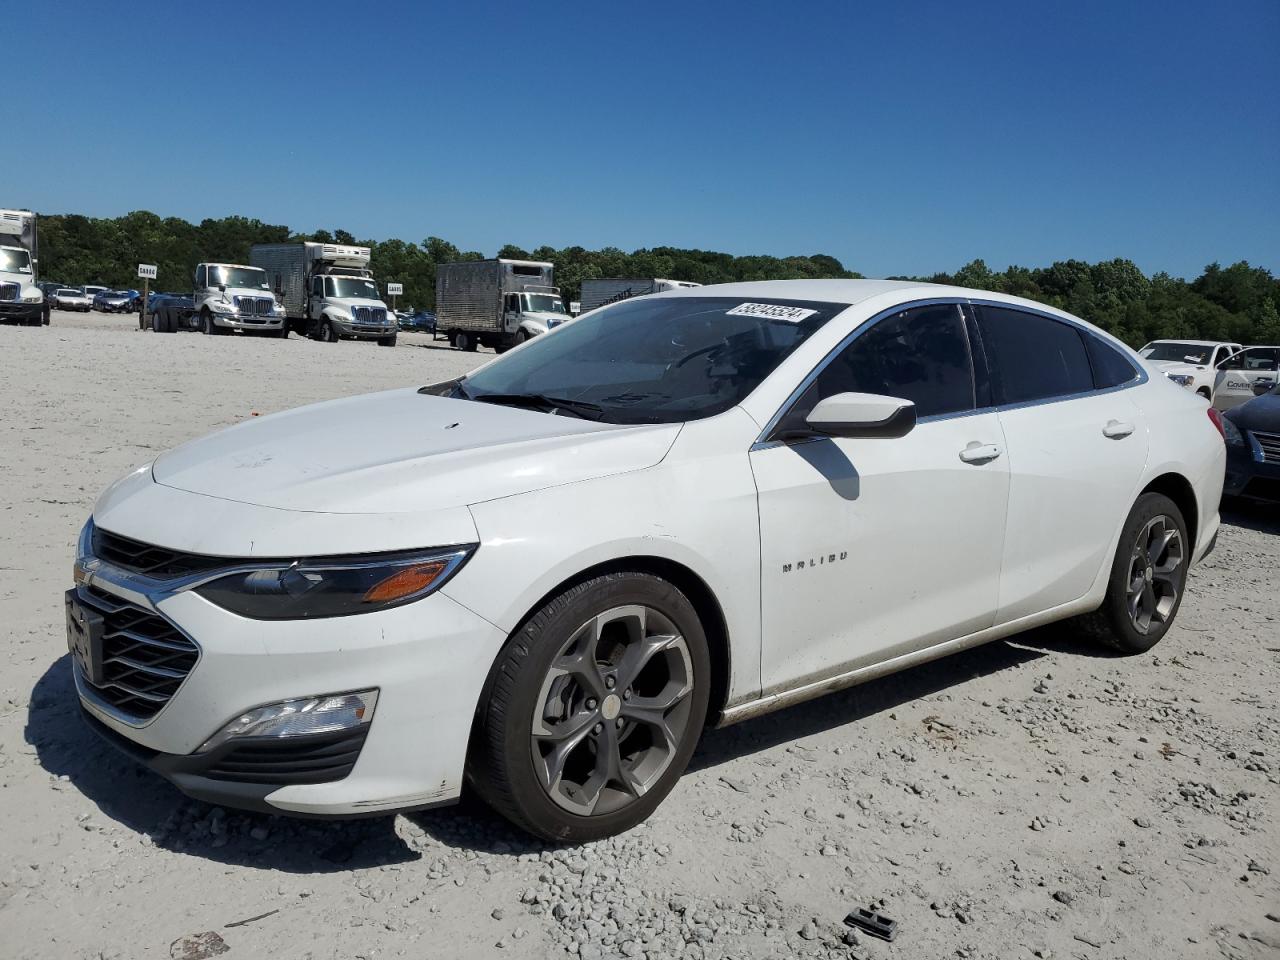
(1253,358)
(653,360)
(1033,357)
(921,355)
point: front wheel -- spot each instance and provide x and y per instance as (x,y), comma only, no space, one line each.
(326,333)
(207,326)
(1148,578)
(593,709)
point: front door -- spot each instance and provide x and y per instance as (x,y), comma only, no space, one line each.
(872,548)
(1249,373)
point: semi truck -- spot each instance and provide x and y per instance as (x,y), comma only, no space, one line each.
(20,298)
(227,297)
(327,290)
(603,290)
(497,303)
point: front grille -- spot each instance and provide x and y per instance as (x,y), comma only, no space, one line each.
(261,306)
(145,657)
(8,291)
(1270,444)
(279,760)
(160,562)
(370,315)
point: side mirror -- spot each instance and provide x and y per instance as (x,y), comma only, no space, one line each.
(222,288)
(862,415)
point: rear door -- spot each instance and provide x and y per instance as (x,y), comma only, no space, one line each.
(1245,375)
(1077,446)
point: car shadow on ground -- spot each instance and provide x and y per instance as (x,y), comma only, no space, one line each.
(143,802)
(1252,515)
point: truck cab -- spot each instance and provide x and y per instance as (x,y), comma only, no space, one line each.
(342,306)
(233,296)
(20,298)
(533,311)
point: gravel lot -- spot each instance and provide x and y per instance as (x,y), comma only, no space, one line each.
(1035,797)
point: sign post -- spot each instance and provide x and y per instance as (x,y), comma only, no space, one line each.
(147,271)
(394,290)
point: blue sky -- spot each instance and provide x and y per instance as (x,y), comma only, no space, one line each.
(900,137)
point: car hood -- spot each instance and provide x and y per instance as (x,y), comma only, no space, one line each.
(1260,413)
(355,302)
(1174,366)
(401,452)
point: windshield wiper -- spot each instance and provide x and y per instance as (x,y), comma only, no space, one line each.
(579,408)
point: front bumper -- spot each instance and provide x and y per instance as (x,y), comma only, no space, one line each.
(234,321)
(1249,475)
(427,659)
(363,331)
(17,310)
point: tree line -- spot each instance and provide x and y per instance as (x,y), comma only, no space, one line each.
(1238,303)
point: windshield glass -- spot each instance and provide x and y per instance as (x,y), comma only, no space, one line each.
(65,292)
(238,277)
(1182,352)
(662,360)
(354,287)
(542,303)
(15,261)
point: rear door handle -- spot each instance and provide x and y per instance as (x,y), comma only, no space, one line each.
(1117,429)
(976,452)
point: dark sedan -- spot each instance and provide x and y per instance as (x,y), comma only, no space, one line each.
(421,322)
(1253,448)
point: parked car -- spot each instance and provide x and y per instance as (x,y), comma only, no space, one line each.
(91,290)
(698,506)
(1245,375)
(1252,432)
(69,298)
(1189,363)
(421,321)
(114,301)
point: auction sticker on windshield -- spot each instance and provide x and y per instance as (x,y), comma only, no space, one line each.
(771,311)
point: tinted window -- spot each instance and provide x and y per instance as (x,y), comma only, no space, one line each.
(1110,367)
(1033,357)
(921,355)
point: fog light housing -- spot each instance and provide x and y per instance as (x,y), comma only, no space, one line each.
(306,716)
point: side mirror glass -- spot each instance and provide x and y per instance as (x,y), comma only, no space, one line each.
(862,415)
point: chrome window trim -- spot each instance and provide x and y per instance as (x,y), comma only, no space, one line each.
(763,443)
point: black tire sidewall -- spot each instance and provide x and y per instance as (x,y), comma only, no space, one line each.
(1126,636)
(518,674)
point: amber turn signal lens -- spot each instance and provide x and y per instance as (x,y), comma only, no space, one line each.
(404,583)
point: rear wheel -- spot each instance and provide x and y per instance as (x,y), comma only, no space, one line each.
(594,708)
(1148,578)
(462,340)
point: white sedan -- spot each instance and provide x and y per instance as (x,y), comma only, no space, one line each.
(696,507)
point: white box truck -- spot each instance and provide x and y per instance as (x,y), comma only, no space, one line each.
(602,290)
(327,290)
(20,298)
(498,303)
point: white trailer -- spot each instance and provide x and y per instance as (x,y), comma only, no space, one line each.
(604,290)
(498,303)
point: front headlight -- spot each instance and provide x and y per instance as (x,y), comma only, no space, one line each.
(1181,379)
(32,295)
(1231,433)
(334,587)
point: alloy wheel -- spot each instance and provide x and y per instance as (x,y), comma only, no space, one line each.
(1155,573)
(612,711)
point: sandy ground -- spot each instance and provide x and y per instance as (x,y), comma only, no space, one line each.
(1036,797)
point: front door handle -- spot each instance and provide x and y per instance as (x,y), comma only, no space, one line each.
(1117,429)
(976,452)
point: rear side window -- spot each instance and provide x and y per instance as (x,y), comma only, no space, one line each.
(1110,367)
(1033,357)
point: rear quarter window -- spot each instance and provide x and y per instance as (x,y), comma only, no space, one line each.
(1111,368)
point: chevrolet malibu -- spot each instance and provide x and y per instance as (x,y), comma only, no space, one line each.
(542,579)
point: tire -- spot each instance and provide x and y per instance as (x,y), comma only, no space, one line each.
(325,332)
(207,326)
(158,323)
(462,340)
(1149,574)
(518,744)
(1204,392)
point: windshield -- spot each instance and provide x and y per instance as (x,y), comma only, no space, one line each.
(542,303)
(353,287)
(238,277)
(1182,352)
(65,292)
(662,360)
(15,261)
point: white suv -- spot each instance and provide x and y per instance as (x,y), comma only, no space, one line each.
(1189,363)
